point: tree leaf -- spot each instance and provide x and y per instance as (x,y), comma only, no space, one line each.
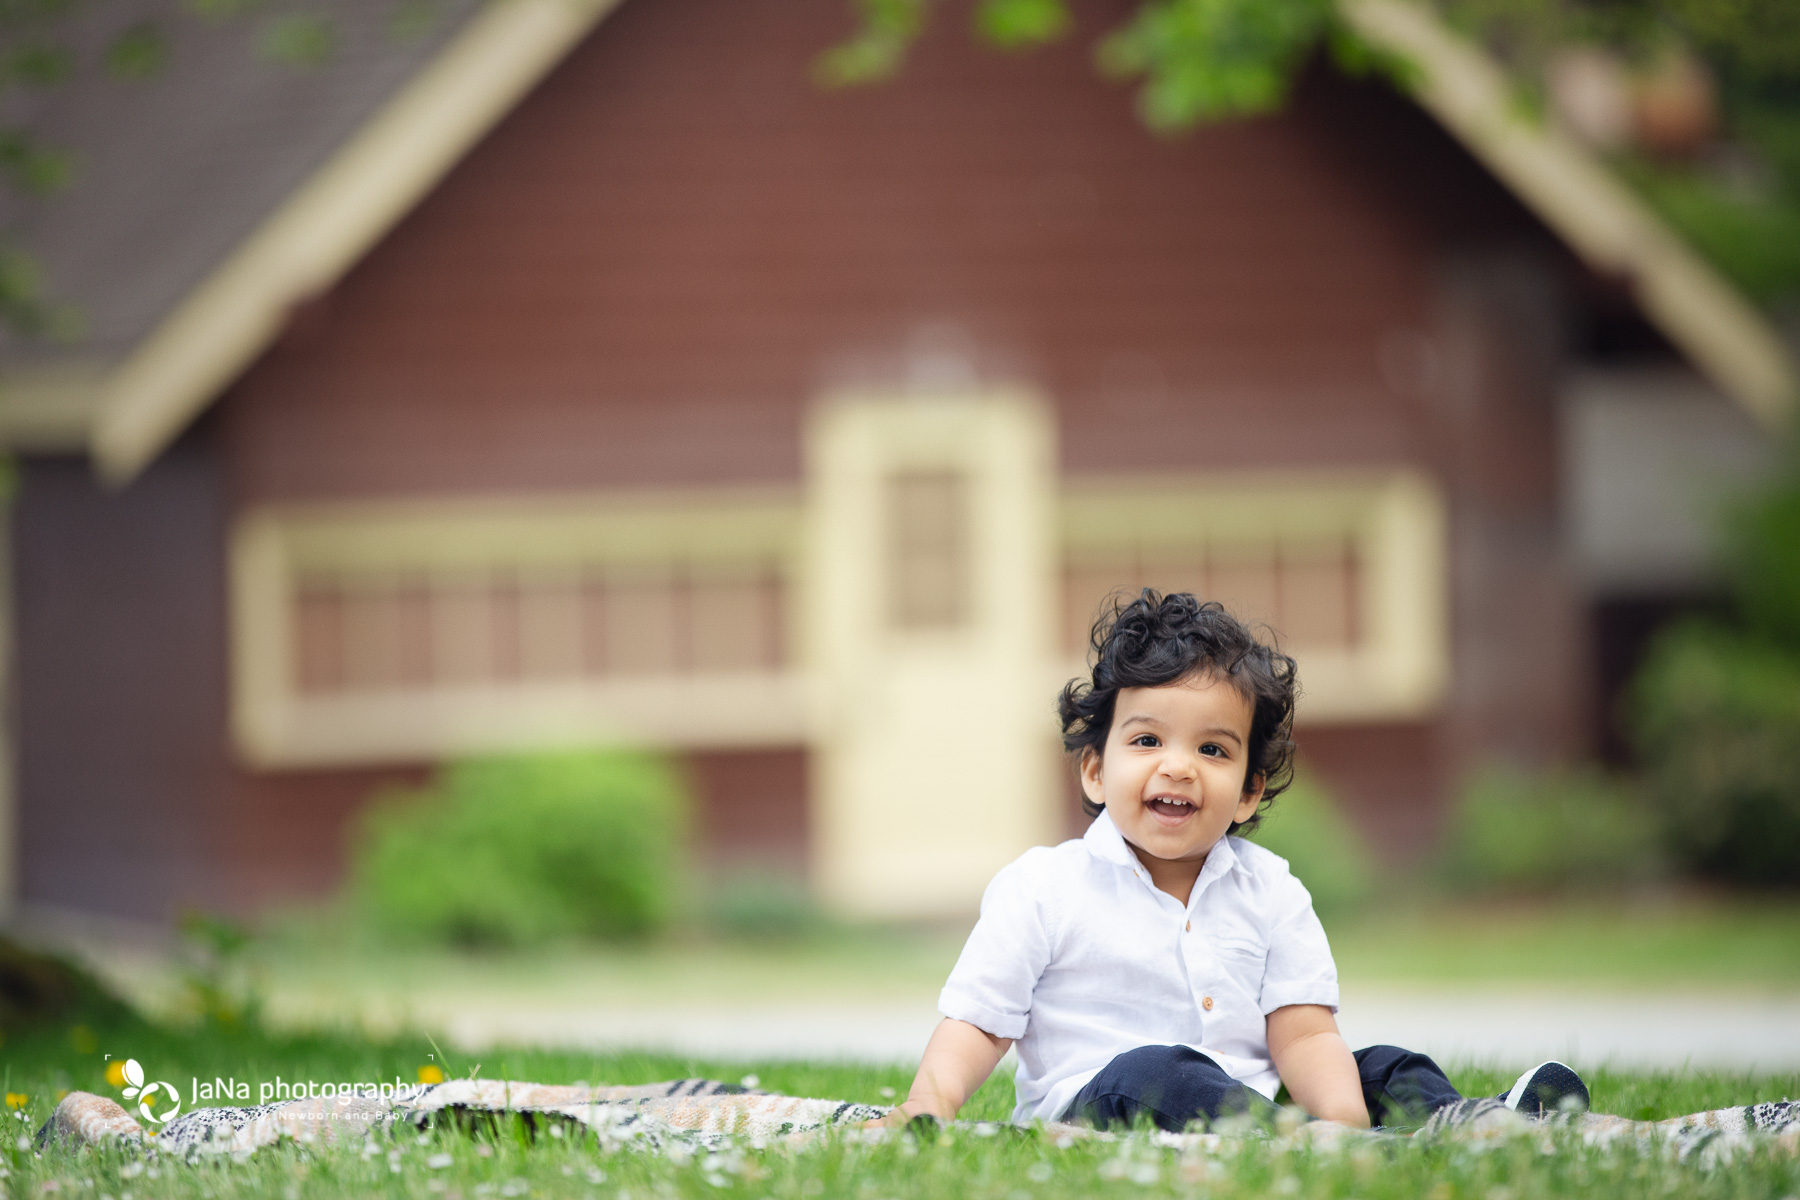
(1016,24)
(141,52)
(303,40)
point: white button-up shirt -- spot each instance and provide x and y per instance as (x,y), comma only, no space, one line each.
(1078,958)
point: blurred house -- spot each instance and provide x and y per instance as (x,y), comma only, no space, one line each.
(578,373)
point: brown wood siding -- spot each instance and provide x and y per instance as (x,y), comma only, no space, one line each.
(119,620)
(654,264)
(749,810)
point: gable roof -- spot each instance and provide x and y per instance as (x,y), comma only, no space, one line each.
(163,351)
(263,186)
(172,173)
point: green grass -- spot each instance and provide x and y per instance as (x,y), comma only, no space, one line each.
(1655,941)
(503,1160)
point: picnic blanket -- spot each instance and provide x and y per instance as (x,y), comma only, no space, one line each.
(703,1114)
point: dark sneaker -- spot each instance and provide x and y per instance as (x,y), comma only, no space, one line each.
(1545,1090)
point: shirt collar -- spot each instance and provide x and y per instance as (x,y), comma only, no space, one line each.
(1105,842)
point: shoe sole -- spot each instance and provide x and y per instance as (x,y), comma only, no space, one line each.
(1525,1095)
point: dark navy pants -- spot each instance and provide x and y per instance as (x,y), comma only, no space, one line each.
(1173,1085)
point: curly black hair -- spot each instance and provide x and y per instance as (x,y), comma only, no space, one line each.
(1155,640)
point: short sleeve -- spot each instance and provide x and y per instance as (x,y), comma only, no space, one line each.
(991,985)
(1299,968)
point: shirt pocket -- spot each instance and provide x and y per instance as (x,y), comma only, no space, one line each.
(1242,958)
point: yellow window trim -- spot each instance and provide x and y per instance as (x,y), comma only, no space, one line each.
(722,532)
(1395,670)
(1396,519)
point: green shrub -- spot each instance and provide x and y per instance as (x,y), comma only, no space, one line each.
(1717,722)
(1323,849)
(40,990)
(517,850)
(765,904)
(1715,710)
(1514,831)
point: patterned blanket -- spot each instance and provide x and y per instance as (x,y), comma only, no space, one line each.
(702,1114)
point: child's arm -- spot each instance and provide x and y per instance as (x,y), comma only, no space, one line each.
(1312,1059)
(958,1059)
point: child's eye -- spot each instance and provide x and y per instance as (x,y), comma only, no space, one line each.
(1213,750)
(1145,739)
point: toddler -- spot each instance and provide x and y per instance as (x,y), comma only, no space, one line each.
(1158,967)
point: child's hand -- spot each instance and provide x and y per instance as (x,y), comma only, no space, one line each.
(905,1114)
(958,1057)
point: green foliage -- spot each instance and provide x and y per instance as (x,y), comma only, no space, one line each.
(885,30)
(1323,849)
(1016,24)
(1206,59)
(24,307)
(763,904)
(221,9)
(40,990)
(1754,39)
(517,850)
(141,52)
(301,40)
(37,65)
(1754,239)
(1717,721)
(215,974)
(31,167)
(1763,558)
(1716,708)
(1748,228)
(1198,59)
(1513,831)
(413,19)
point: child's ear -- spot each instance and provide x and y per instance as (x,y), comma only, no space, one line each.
(1246,806)
(1090,777)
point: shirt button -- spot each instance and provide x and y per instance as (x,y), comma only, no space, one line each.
(1206,1003)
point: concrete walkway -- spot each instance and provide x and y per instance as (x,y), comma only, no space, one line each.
(1621,1029)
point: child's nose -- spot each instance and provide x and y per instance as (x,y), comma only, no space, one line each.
(1178,765)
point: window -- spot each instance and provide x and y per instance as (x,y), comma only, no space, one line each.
(407,631)
(368,631)
(1347,572)
(928,549)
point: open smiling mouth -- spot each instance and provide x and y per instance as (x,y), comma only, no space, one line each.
(1165,806)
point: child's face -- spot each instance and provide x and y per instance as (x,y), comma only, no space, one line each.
(1175,770)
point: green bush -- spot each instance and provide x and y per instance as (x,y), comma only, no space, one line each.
(1717,721)
(1323,849)
(765,905)
(1715,710)
(517,850)
(1514,831)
